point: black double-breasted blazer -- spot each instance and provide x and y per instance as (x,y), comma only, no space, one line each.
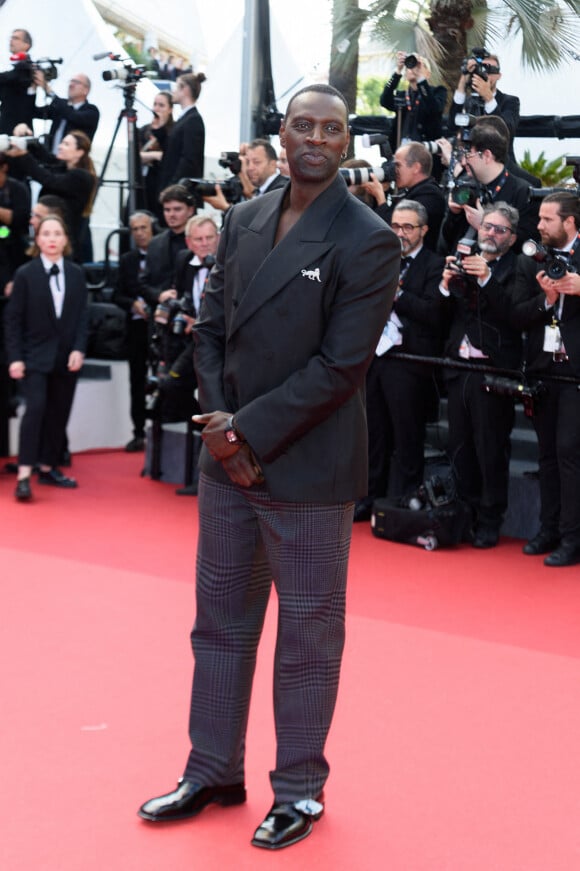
(287,333)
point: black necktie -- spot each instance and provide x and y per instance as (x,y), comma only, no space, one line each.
(54,270)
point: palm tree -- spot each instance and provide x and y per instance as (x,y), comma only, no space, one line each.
(445,30)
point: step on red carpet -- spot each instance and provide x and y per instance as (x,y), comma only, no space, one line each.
(455,740)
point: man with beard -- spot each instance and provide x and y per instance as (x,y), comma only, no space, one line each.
(548,308)
(303,281)
(482,333)
(260,166)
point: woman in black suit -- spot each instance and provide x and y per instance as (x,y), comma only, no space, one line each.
(71,176)
(152,143)
(45,330)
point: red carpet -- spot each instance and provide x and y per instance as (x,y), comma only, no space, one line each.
(455,742)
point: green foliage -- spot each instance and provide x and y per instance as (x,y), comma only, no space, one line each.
(368,97)
(552,172)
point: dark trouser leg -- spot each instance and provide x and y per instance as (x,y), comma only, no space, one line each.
(379,429)
(461,446)
(308,548)
(60,393)
(137,353)
(407,390)
(35,388)
(232,591)
(568,451)
(545,422)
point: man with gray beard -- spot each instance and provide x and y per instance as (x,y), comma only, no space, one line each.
(482,333)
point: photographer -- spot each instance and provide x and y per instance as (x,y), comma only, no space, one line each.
(485,179)
(70,176)
(421,105)
(17,91)
(413,166)
(399,393)
(74,113)
(477,93)
(478,290)
(14,213)
(175,337)
(547,306)
(260,168)
(178,207)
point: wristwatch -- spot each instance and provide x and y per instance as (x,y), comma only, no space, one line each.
(231,433)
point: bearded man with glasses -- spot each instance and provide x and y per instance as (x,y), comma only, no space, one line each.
(482,332)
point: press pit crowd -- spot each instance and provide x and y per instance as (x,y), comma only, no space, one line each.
(461,208)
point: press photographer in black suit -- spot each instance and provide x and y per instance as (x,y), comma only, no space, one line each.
(422,114)
(74,113)
(480,303)
(413,168)
(399,393)
(477,94)
(548,308)
(128,295)
(484,168)
(184,149)
(178,207)
(17,91)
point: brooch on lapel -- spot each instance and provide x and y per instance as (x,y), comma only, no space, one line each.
(312,274)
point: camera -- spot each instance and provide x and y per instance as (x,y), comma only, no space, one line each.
(21,142)
(362,174)
(480,69)
(528,394)
(570,160)
(205,187)
(411,61)
(466,191)
(231,160)
(128,73)
(47,65)
(433,493)
(460,283)
(555,265)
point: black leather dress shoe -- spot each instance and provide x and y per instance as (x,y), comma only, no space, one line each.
(565,555)
(485,537)
(55,478)
(189,799)
(23,492)
(287,823)
(362,511)
(543,542)
(135,445)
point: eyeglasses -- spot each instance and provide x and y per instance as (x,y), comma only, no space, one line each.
(495,228)
(467,155)
(406,228)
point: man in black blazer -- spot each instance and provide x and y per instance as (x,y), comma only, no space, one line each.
(420,108)
(548,308)
(484,98)
(303,281)
(485,162)
(17,92)
(128,295)
(482,333)
(74,113)
(183,156)
(401,394)
(260,173)
(178,208)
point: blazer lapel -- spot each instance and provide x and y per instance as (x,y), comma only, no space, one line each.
(265,269)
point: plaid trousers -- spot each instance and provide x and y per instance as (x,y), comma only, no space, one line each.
(245,541)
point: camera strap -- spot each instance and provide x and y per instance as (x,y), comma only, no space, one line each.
(495,190)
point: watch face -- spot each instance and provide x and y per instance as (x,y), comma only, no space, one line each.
(231,436)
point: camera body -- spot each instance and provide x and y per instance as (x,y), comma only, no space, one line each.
(466,191)
(205,187)
(411,61)
(460,284)
(480,68)
(129,74)
(555,265)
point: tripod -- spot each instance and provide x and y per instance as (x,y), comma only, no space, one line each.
(135,185)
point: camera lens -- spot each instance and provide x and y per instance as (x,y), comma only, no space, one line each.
(411,61)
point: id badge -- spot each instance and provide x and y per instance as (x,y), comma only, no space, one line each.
(552,339)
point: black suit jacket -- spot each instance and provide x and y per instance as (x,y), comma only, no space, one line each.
(423,122)
(508,108)
(183,154)
(128,286)
(160,266)
(85,118)
(17,105)
(487,318)
(531,315)
(419,306)
(33,332)
(287,333)
(429,194)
